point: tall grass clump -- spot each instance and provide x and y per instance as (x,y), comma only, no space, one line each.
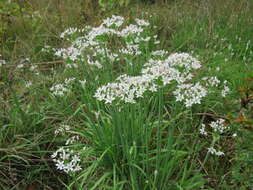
(137,103)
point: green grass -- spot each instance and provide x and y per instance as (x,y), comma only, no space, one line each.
(152,144)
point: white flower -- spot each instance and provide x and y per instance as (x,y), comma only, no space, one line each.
(71,140)
(59,90)
(54,155)
(75,159)
(219,153)
(69,80)
(69,31)
(62,128)
(71,53)
(60,165)
(129,88)
(190,93)
(183,60)
(82,82)
(129,30)
(225,91)
(24,60)
(72,66)
(160,69)
(202,130)
(28,84)
(20,66)
(66,160)
(62,89)
(95,63)
(159,53)
(212,81)
(114,20)
(33,67)
(2,62)
(77,168)
(218,126)
(126,88)
(213,151)
(141,22)
(141,39)
(92,39)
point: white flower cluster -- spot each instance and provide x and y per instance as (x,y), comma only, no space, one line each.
(82,82)
(190,94)
(20,66)
(28,84)
(62,89)
(129,88)
(46,48)
(131,49)
(69,31)
(130,30)
(23,63)
(218,126)
(33,68)
(168,71)
(59,90)
(184,60)
(63,128)
(91,44)
(72,66)
(215,82)
(202,130)
(25,60)
(213,151)
(225,90)
(159,53)
(66,160)
(114,20)
(71,53)
(211,81)
(2,62)
(141,22)
(95,63)
(72,140)
(126,88)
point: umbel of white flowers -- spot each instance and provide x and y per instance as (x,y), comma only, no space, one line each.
(89,38)
(177,68)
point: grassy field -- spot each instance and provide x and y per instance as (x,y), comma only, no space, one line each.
(137,95)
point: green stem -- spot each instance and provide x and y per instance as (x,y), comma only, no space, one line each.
(158,143)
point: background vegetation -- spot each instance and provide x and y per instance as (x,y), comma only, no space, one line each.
(218,32)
